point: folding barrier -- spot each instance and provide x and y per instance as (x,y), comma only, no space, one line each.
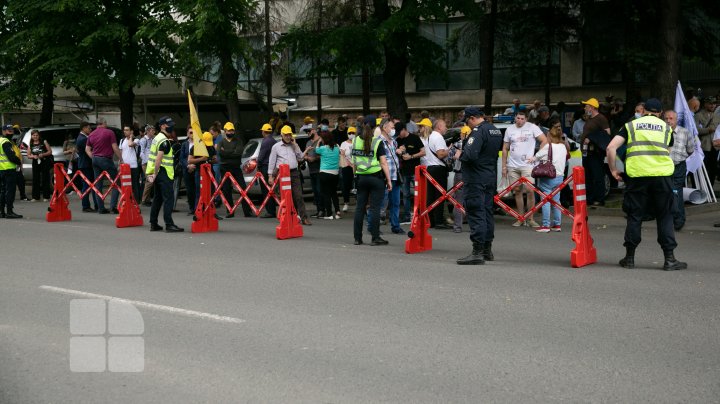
(418,238)
(584,252)
(129,209)
(205,220)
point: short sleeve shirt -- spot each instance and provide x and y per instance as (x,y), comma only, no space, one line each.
(522,144)
(101,141)
(433,144)
(128,153)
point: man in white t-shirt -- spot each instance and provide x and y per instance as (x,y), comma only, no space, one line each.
(435,150)
(130,157)
(518,146)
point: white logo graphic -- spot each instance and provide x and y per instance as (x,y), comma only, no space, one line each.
(106,336)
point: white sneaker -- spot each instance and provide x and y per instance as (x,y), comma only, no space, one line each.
(345,208)
(337,217)
(328,217)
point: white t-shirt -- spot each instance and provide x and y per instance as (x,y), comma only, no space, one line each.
(522,143)
(346,150)
(434,143)
(128,154)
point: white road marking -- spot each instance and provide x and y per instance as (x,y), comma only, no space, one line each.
(151,306)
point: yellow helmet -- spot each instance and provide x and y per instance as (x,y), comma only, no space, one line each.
(286,130)
(266,128)
(425,122)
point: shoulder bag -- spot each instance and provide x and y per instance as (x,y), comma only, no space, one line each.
(546,169)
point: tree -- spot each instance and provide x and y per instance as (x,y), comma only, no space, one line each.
(389,41)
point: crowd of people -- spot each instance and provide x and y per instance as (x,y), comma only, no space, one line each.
(371,157)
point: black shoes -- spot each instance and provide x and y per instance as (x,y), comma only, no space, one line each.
(171,228)
(671,264)
(627,262)
(229,216)
(378,241)
(88,210)
(487,251)
(442,226)
(103,211)
(155,227)
(115,211)
(358,242)
(475,257)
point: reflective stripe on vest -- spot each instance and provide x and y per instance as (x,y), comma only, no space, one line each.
(647,148)
(167,160)
(365,164)
(5,164)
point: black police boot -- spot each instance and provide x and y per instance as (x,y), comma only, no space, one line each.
(475,257)
(629,260)
(12,215)
(487,251)
(671,264)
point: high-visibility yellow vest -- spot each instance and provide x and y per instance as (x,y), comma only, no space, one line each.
(5,164)
(647,148)
(167,160)
(366,163)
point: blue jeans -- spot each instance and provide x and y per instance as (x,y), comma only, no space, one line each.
(394,206)
(547,185)
(407,191)
(101,164)
(678,179)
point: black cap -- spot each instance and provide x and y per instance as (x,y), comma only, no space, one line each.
(166,120)
(653,105)
(473,111)
(7,127)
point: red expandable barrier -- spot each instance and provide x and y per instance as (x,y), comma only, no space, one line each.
(204,219)
(58,210)
(127,206)
(289,226)
(584,252)
(419,239)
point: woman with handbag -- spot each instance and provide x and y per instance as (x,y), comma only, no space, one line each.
(550,174)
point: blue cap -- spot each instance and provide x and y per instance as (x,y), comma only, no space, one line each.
(7,127)
(370,120)
(473,111)
(653,105)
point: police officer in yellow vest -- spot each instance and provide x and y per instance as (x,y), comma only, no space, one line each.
(160,172)
(373,177)
(9,162)
(649,188)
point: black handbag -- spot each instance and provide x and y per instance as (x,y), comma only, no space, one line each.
(446,162)
(546,169)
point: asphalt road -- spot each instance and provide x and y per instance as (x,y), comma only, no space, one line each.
(317,319)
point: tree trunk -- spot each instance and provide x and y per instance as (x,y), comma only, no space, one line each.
(48,101)
(127,101)
(395,67)
(268,58)
(489,57)
(546,74)
(365,72)
(669,36)
(318,79)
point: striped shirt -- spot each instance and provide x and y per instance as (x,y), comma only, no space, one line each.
(392,157)
(683,145)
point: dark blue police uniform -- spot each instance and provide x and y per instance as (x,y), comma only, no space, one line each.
(479,167)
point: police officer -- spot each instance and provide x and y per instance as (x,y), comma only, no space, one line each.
(649,169)
(9,162)
(160,172)
(479,157)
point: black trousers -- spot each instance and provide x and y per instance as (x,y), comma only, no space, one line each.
(348,181)
(678,179)
(479,210)
(227,188)
(711,164)
(190,187)
(439,174)
(41,180)
(7,189)
(163,188)
(328,187)
(594,164)
(20,182)
(370,188)
(649,194)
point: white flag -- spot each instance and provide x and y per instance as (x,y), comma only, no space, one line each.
(686,120)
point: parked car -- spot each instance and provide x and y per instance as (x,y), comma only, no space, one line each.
(55,136)
(249,162)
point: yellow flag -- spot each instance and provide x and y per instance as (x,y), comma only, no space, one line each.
(199,149)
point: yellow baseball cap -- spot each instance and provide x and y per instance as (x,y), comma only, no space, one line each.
(465,130)
(229,126)
(592,102)
(266,128)
(425,122)
(352,129)
(286,130)
(207,139)
(308,120)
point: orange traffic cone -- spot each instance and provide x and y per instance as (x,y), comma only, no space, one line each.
(419,239)
(204,219)
(129,209)
(584,252)
(289,226)
(58,210)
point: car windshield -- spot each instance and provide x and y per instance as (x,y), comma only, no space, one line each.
(56,137)
(250,149)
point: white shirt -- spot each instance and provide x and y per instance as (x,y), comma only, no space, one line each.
(434,143)
(128,153)
(559,156)
(522,143)
(346,150)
